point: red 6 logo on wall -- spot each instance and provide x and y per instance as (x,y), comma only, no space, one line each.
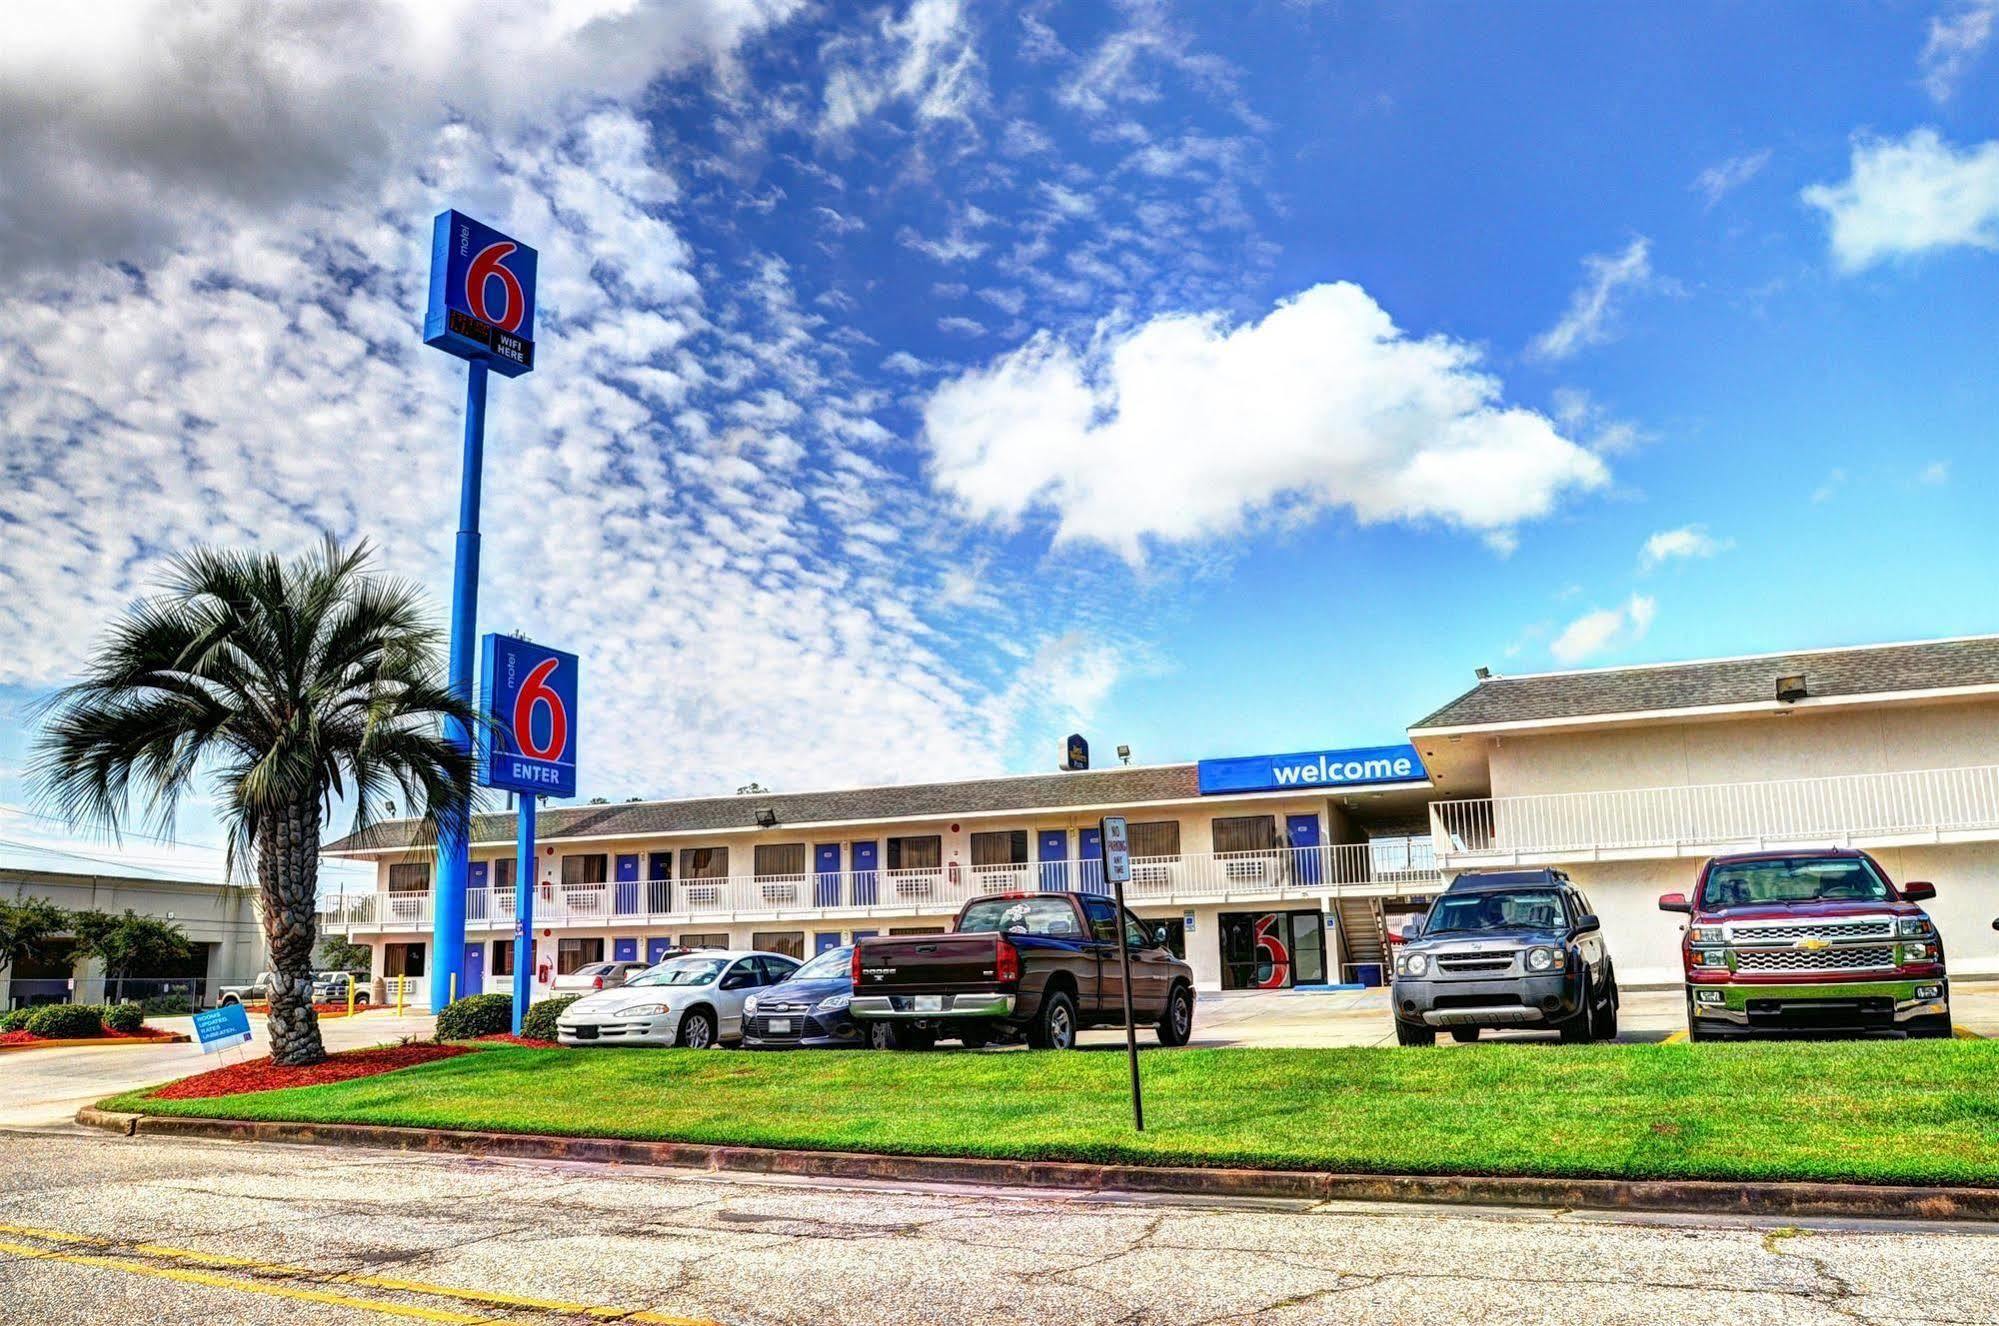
(1275,954)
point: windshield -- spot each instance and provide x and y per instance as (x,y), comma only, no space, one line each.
(1527,909)
(682,971)
(833,962)
(1794,879)
(1021,916)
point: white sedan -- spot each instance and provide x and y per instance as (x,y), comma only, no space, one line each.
(695,1001)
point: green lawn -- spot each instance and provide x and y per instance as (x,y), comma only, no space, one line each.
(1881,1111)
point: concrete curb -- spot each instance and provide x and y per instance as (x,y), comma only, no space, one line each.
(1841,1200)
(174,1038)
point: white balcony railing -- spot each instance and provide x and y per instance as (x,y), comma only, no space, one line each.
(1847,809)
(1215,876)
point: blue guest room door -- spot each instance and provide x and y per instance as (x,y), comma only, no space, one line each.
(866,859)
(627,895)
(826,874)
(478,903)
(475,970)
(656,949)
(1053,851)
(659,869)
(1090,852)
(1304,832)
(625,950)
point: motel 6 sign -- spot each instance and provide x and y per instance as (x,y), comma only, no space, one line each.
(528,697)
(481,295)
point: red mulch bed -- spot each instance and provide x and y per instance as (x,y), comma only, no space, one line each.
(508,1038)
(143,1034)
(263,1075)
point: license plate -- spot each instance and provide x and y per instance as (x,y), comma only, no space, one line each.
(777,1025)
(928,1003)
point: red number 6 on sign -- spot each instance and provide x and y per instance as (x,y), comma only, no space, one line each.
(535,690)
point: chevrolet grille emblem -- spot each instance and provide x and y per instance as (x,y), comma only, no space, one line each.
(1814,944)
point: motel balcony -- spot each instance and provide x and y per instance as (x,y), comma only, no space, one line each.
(1343,870)
(1920,807)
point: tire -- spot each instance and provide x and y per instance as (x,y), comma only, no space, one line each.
(1409,1033)
(1606,1028)
(360,1001)
(227,1000)
(1936,1028)
(879,1035)
(697,1031)
(1464,1035)
(1054,1027)
(1579,1030)
(1696,1030)
(1177,1027)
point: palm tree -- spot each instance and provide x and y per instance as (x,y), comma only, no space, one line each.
(289,685)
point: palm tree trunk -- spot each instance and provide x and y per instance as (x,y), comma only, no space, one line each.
(288,878)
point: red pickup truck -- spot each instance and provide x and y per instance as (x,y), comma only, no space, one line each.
(1033,966)
(1809,940)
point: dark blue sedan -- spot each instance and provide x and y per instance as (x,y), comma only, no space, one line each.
(808,1010)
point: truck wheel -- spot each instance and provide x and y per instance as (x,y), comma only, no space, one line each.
(1696,1030)
(1464,1035)
(1606,1026)
(697,1031)
(1936,1028)
(880,1035)
(1055,1027)
(1178,1024)
(360,1001)
(1409,1033)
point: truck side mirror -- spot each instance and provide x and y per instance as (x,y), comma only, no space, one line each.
(1675,902)
(1588,921)
(1918,890)
(1159,937)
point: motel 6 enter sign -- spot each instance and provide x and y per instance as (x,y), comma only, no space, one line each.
(481,295)
(528,697)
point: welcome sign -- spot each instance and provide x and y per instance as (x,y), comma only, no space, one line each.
(1320,768)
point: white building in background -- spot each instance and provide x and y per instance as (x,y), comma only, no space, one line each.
(1257,884)
(1287,870)
(221,922)
(1628,778)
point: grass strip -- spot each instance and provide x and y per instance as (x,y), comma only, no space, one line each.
(1873,1112)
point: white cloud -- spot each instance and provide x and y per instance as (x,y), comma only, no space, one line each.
(1686,542)
(1954,44)
(1828,490)
(119,135)
(1180,428)
(1593,307)
(927,58)
(1723,178)
(1936,473)
(1908,196)
(1605,628)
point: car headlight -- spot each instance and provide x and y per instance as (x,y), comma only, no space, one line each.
(1544,959)
(750,1004)
(1414,964)
(1916,953)
(643,1011)
(1706,934)
(1915,927)
(833,1003)
(1712,957)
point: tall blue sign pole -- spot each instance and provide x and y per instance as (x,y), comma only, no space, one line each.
(527,745)
(481,309)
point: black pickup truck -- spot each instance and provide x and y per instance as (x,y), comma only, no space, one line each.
(1033,966)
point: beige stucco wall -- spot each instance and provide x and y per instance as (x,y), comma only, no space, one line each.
(220,914)
(1796,743)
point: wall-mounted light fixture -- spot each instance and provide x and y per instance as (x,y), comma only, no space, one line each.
(766,818)
(1791,689)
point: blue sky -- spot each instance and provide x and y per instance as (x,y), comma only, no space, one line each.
(920,381)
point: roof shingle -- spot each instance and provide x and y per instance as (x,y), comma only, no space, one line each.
(1108,787)
(1869,670)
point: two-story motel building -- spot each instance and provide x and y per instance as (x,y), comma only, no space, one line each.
(1281,871)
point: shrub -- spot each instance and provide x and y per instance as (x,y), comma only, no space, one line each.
(165,1005)
(539,1024)
(66,1022)
(16,1019)
(475,1016)
(124,1018)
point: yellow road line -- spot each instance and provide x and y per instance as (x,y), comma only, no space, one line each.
(1965,1033)
(603,1312)
(214,1281)
(1676,1038)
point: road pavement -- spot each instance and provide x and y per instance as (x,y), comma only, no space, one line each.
(95,1229)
